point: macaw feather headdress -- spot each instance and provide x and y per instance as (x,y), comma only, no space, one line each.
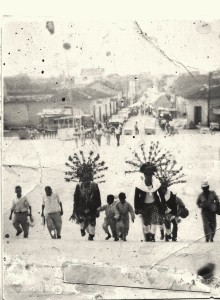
(157,162)
(79,165)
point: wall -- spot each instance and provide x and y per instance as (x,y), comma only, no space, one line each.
(25,114)
(214,103)
(102,104)
(180,106)
(21,114)
(187,106)
(190,104)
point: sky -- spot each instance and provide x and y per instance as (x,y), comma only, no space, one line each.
(28,46)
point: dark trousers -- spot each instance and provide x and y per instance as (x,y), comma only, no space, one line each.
(209,224)
(174,229)
(20,223)
(118,139)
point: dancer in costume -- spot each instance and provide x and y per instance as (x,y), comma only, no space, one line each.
(169,174)
(147,202)
(87,195)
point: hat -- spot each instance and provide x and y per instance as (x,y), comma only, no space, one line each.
(204,183)
(148,168)
(164,184)
(82,167)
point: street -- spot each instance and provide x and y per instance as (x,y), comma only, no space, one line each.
(37,163)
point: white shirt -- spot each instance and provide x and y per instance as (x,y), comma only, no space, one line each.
(20,204)
(99,131)
(117,131)
(51,203)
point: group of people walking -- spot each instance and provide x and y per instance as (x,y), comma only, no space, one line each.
(96,133)
(154,202)
(157,206)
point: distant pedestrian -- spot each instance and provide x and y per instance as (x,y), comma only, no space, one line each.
(95,126)
(136,129)
(162,123)
(167,126)
(83,136)
(54,211)
(112,215)
(209,203)
(118,134)
(76,136)
(99,134)
(20,207)
(108,134)
(124,208)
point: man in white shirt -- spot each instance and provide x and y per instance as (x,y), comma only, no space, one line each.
(54,211)
(118,134)
(20,206)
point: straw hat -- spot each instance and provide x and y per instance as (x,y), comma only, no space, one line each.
(204,183)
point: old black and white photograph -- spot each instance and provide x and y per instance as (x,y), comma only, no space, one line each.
(110,158)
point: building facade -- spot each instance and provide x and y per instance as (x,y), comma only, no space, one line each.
(23,112)
(197,110)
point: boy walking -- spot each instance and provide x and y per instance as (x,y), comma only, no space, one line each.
(54,211)
(112,215)
(124,208)
(20,206)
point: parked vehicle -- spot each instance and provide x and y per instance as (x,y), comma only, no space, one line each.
(214,126)
(67,125)
(117,118)
(48,118)
(170,113)
(150,126)
(126,110)
(124,114)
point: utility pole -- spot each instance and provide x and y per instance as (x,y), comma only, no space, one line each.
(209,98)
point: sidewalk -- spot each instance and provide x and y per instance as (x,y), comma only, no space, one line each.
(35,268)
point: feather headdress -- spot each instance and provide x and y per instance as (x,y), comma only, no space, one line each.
(159,163)
(79,165)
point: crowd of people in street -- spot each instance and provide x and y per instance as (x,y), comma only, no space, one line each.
(97,133)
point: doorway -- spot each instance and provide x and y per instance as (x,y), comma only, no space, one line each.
(197,114)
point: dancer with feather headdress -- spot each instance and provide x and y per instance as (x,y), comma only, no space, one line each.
(149,200)
(87,196)
(169,174)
